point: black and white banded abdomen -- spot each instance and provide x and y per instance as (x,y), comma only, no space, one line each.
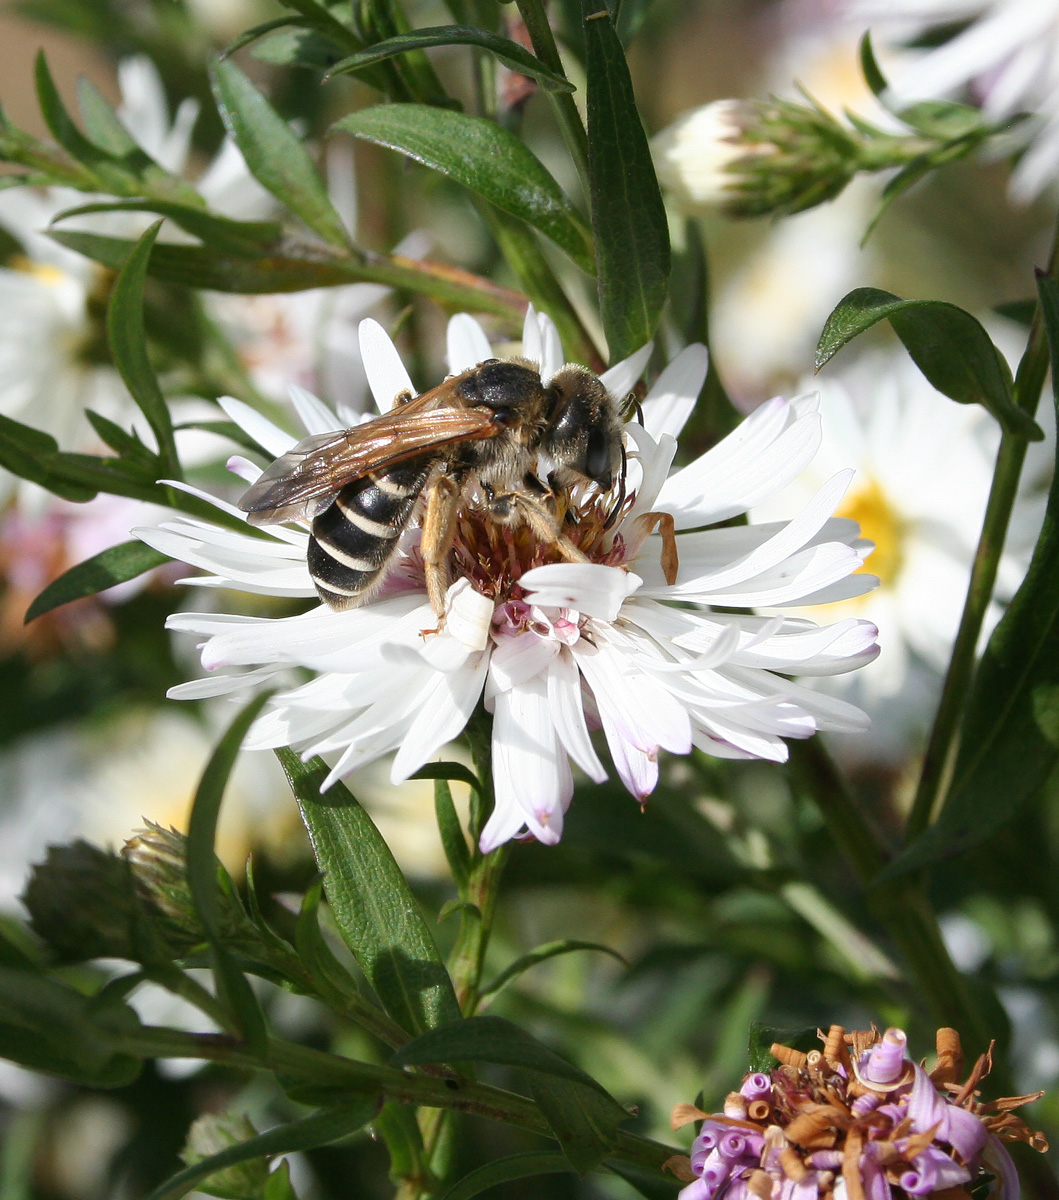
(354,539)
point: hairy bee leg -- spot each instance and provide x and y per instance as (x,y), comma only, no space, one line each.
(544,525)
(667,531)
(439,526)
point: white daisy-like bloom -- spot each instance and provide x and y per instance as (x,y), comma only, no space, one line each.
(1008,54)
(924,466)
(52,299)
(554,647)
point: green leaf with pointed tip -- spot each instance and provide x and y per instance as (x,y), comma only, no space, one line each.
(202,870)
(507,1170)
(628,216)
(948,345)
(333,982)
(260,31)
(129,348)
(542,954)
(510,53)
(873,75)
(101,121)
(127,445)
(372,904)
(249,239)
(583,1121)
(116,564)
(483,157)
(318,1129)
(279,1186)
(452,840)
(1009,737)
(31,454)
(274,153)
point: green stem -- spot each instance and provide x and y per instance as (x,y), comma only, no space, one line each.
(573,130)
(941,747)
(324,1069)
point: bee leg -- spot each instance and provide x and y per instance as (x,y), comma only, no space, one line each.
(543,523)
(439,526)
(663,522)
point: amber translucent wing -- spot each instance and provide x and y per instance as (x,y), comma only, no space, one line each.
(301,482)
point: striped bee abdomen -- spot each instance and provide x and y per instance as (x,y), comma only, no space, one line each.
(354,539)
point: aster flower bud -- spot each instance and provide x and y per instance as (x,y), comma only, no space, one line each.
(751,157)
(82,902)
(883,1128)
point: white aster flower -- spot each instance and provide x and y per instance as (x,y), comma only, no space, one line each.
(551,646)
(1008,53)
(52,300)
(924,466)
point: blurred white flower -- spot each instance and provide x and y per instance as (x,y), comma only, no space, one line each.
(924,466)
(1008,54)
(53,360)
(553,645)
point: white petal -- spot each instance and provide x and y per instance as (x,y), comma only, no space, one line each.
(516,660)
(268,436)
(468,615)
(590,588)
(532,342)
(551,348)
(620,379)
(386,373)
(672,399)
(568,714)
(442,715)
(532,758)
(313,412)
(244,468)
(466,343)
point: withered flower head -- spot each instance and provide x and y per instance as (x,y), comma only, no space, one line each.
(857,1120)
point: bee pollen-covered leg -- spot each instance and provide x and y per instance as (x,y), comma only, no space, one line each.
(545,525)
(667,531)
(439,524)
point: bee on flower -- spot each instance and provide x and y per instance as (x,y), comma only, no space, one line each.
(646,632)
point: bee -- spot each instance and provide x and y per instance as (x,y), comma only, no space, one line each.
(493,429)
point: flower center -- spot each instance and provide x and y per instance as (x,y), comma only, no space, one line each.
(495,553)
(880,523)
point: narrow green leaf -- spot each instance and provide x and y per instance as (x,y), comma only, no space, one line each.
(507,1170)
(127,444)
(101,121)
(510,53)
(372,903)
(396,1124)
(948,345)
(452,840)
(248,239)
(583,1122)
(483,157)
(873,75)
(116,564)
(542,954)
(333,982)
(628,217)
(259,31)
(1009,738)
(31,454)
(203,883)
(107,169)
(493,1040)
(129,348)
(274,153)
(279,1186)
(450,771)
(318,1129)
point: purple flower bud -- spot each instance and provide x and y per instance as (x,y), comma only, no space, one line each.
(826,1160)
(756,1085)
(716,1170)
(864,1104)
(885,1061)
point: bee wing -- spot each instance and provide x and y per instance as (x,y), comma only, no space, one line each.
(302,482)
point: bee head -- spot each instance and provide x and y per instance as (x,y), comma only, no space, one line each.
(584,433)
(508,388)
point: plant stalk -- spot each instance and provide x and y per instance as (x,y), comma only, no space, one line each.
(943,743)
